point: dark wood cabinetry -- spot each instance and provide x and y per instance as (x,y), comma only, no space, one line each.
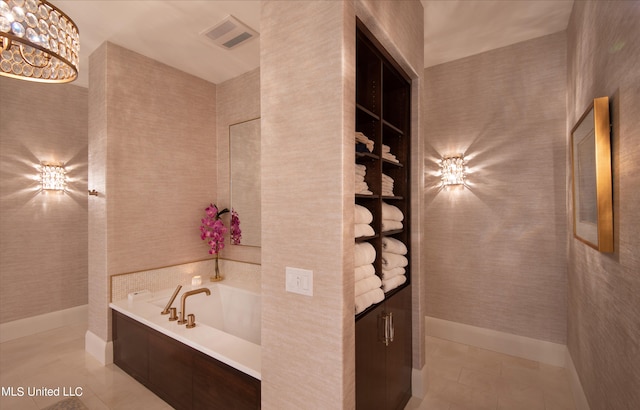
(182,376)
(383,331)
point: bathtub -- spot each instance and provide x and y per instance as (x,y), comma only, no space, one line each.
(227,322)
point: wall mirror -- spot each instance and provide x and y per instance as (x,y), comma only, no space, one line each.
(591,172)
(244,160)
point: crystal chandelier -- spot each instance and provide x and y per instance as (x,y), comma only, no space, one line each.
(452,170)
(39,42)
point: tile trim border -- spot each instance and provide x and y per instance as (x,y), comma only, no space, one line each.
(554,354)
(41,323)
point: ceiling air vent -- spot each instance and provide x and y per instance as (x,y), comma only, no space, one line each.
(230,33)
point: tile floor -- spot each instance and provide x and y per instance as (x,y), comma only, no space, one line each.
(57,358)
(461,377)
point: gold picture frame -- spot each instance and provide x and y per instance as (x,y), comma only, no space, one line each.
(591,177)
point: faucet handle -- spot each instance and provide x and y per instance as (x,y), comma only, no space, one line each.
(191,320)
(173,314)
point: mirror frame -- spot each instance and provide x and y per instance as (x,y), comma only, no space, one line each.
(594,129)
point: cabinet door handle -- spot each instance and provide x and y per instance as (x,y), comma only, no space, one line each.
(391,328)
(384,326)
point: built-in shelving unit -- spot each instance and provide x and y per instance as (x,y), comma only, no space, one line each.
(383,330)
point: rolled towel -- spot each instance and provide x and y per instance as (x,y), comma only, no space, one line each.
(393,260)
(362,215)
(365,254)
(391,212)
(390,273)
(367,299)
(361,230)
(361,272)
(389,225)
(394,282)
(394,246)
(369,283)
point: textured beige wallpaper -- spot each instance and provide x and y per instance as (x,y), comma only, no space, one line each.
(604,289)
(155,168)
(496,250)
(43,236)
(307,105)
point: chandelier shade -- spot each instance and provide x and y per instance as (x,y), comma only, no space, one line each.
(39,42)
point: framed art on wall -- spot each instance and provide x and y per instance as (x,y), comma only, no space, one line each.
(591,177)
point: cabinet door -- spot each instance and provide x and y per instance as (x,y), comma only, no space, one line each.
(170,370)
(218,386)
(370,361)
(398,353)
(130,347)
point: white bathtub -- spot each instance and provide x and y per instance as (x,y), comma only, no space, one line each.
(227,322)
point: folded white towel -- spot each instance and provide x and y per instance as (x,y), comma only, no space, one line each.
(367,299)
(394,282)
(361,169)
(369,283)
(363,230)
(361,186)
(391,212)
(385,148)
(361,272)
(365,254)
(387,178)
(360,137)
(364,192)
(362,215)
(390,273)
(390,157)
(393,260)
(389,225)
(394,246)
(360,172)
(388,192)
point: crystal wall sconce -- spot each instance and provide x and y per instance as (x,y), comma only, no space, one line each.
(53,177)
(452,170)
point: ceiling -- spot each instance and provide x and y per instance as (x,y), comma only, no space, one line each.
(170,31)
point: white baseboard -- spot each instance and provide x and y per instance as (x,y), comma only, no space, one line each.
(98,348)
(507,343)
(579,398)
(419,382)
(42,323)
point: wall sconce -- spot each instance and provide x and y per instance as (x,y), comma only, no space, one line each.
(53,177)
(452,170)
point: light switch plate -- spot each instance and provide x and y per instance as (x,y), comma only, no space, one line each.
(299,281)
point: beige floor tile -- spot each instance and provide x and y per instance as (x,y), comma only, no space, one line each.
(485,382)
(461,395)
